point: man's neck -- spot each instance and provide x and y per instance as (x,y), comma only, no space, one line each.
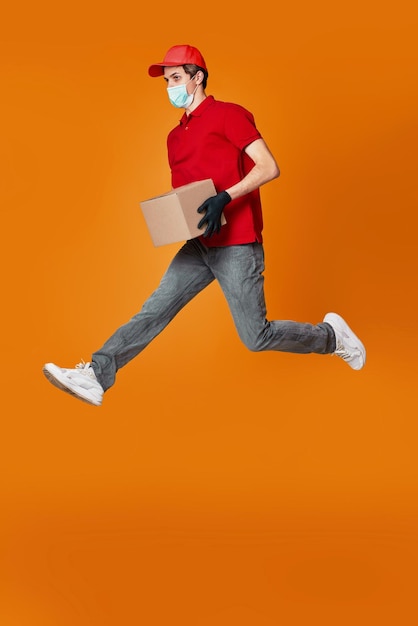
(197,100)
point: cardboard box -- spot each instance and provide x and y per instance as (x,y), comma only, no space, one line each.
(173,216)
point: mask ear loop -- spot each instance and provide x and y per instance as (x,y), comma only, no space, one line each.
(192,78)
(197,84)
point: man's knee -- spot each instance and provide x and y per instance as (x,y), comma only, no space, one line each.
(254,343)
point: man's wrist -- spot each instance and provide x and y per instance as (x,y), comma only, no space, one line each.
(226,196)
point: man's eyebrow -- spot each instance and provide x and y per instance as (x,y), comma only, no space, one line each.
(171,75)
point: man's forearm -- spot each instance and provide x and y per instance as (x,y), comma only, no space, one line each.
(257,177)
(265,169)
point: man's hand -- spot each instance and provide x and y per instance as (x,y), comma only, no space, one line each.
(212,208)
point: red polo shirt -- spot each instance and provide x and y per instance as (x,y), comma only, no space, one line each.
(209,143)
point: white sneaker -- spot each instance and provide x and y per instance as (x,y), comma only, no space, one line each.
(349,346)
(80,382)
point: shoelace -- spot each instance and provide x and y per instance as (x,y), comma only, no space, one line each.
(342,352)
(85,368)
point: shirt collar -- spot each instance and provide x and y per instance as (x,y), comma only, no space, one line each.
(207,102)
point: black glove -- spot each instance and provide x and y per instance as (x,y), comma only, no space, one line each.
(212,208)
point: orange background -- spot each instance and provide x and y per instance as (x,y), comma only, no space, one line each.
(286,491)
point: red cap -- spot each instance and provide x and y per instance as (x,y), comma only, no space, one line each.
(178,55)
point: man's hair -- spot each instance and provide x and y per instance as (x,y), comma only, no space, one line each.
(192,70)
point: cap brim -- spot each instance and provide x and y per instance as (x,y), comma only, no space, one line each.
(158,68)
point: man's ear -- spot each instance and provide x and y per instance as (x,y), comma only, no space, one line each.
(199,77)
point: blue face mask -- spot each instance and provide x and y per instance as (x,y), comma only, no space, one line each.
(179,97)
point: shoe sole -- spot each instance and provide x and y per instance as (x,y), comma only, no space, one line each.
(341,324)
(59,385)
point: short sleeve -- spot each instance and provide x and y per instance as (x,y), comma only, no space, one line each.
(240,128)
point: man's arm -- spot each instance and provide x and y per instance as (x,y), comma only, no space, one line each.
(265,169)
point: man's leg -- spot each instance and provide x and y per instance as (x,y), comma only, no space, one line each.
(239,270)
(186,276)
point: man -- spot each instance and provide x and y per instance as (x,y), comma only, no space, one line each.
(220,141)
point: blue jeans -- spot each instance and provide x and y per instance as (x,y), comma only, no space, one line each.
(239,271)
